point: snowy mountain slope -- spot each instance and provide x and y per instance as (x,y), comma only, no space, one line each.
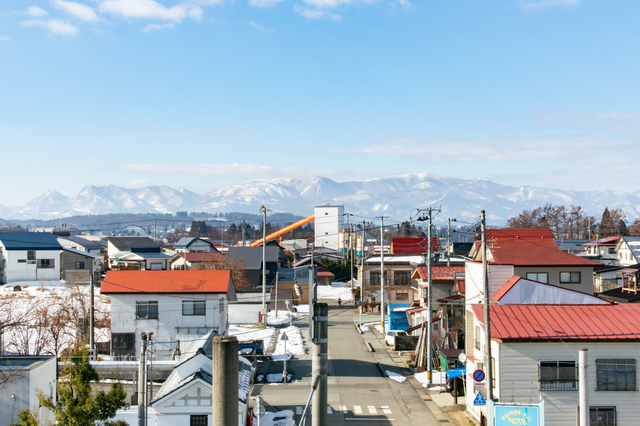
(396,196)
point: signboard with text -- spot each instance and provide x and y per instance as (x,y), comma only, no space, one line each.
(503,414)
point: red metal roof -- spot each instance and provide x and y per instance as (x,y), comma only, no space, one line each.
(563,322)
(166,282)
(325,274)
(440,272)
(450,298)
(606,241)
(461,284)
(414,310)
(505,288)
(413,245)
(529,247)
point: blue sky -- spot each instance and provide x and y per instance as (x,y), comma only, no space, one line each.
(206,93)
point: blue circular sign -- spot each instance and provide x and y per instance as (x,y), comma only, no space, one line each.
(478,375)
(360,303)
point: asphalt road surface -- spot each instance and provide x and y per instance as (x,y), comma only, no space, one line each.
(358,393)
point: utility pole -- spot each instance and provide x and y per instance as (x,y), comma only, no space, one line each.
(487,314)
(142,382)
(382,274)
(264,211)
(351,254)
(92,344)
(244,230)
(313,292)
(429,303)
(363,277)
(276,304)
(155,231)
(449,243)
(583,387)
(224,380)
(319,364)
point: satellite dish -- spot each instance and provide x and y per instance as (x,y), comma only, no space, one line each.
(462,357)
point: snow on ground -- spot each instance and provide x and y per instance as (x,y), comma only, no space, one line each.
(280,418)
(130,415)
(294,344)
(335,291)
(277,378)
(51,309)
(437,378)
(367,326)
(283,317)
(245,334)
(395,376)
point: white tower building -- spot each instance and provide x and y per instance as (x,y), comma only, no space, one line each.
(328,225)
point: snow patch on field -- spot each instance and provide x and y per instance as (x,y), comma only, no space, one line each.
(280,418)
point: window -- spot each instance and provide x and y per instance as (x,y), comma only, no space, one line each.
(402,295)
(31,255)
(22,260)
(602,416)
(193,307)
(541,277)
(79,265)
(616,374)
(199,420)
(477,339)
(402,278)
(570,278)
(147,310)
(558,376)
(46,263)
(374,277)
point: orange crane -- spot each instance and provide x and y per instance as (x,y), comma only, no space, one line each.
(285,230)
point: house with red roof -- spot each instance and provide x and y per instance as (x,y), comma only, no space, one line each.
(528,253)
(535,348)
(176,306)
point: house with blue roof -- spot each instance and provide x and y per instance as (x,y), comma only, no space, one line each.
(29,256)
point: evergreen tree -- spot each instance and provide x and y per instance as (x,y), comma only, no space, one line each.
(78,404)
(622,228)
(607,227)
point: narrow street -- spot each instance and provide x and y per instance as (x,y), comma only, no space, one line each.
(358,392)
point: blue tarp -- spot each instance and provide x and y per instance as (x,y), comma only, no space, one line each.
(457,372)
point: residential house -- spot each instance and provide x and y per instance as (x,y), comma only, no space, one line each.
(185,397)
(79,243)
(28,374)
(29,256)
(79,267)
(173,305)
(526,253)
(521,291)
(136,253)
(575,247)
(628,250)
(603,250)
(323,276)
(252,259)
(194,245)
(197,260)
(534,352)
(398,271)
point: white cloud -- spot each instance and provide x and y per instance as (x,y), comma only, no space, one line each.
(5,38)
(264,3)
(55,26)
(80,11)
(243,171)
(143,9)
(36,11)
(196,13)
(336,3)
(533,5)
(261,28)
(156,27)
(316,14)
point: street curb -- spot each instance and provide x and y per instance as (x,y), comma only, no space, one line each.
(382,371)
(370,348)
(357,328)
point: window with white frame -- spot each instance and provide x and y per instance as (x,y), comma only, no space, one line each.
(79,265)
(558,375)
(616,374)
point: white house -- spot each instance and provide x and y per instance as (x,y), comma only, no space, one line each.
(173,305)
(628,250)
(535,357)
(29,256)
(28,374)
(194,245)
(185,397)
(136,253)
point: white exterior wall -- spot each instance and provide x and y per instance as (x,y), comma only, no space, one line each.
(498,277)
(625,256)
(245,313)
(516,378)
(15,271)
(123,318)
(199,246)
(328,224)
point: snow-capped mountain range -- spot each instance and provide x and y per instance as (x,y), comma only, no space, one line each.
(395,197)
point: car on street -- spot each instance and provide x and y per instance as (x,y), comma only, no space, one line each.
(390,337)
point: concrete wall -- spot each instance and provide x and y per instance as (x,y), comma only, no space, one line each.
(244,313)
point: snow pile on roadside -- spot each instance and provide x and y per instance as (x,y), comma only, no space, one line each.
(335,291)
(283,317)
(294,343)
(367,326)
(277,378)
(438,378)
(245,334)
(280,418)
(395,376)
